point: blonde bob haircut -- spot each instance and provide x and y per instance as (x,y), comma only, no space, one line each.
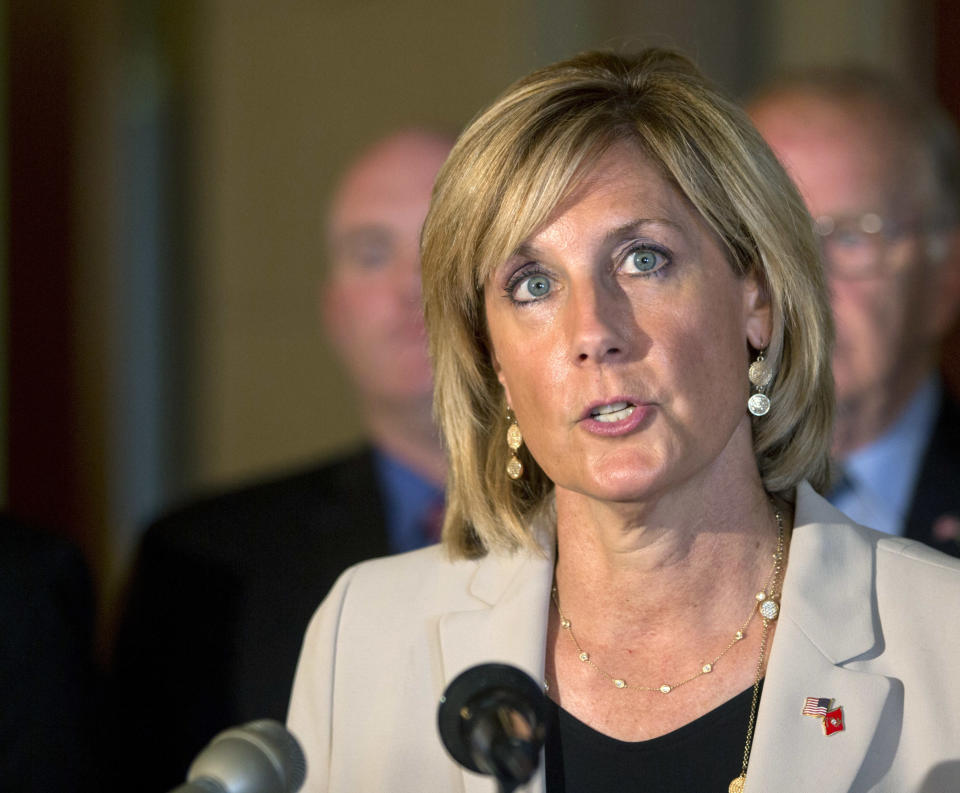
(510,169)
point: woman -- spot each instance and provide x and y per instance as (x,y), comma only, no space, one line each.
(614,265)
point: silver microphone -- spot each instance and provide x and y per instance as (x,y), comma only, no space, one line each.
(259,757)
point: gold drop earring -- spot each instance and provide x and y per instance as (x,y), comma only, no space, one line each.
(514,441)
(760,374)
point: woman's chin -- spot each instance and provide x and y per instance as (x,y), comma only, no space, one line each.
(623,486)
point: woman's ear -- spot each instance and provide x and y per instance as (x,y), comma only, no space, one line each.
(758,313)
(495,362)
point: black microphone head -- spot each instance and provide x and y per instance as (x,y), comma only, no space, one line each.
(259,757)
(493,720)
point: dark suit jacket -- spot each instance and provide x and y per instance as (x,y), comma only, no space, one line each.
(937,493)
(222,593)
(47,680)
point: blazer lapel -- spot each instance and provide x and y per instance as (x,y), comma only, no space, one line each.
(507,624)
(825,623)
(791,752)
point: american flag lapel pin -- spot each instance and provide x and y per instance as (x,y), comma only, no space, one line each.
(831,718)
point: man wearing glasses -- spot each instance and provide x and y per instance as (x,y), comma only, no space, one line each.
(879,169)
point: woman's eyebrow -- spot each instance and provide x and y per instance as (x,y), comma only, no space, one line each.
(525,250)
(633,226)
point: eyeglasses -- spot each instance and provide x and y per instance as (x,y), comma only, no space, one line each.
(856,246)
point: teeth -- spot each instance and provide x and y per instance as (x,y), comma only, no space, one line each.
(613,407)
(616,411)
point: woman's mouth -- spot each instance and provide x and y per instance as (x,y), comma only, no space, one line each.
(617,417)
(615,411)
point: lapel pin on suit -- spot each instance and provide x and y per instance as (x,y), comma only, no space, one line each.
(833,721)
(822,708)
(946,528)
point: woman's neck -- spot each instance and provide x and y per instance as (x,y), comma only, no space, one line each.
(654,590)
(684,556)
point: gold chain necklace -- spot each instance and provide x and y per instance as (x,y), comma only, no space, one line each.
(767,605)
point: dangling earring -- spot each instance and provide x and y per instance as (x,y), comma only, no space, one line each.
(514,440)
(760,375)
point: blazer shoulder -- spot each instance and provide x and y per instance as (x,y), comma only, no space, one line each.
(427,582)
(409,579)
(917,589)
(838,565)
(915,560)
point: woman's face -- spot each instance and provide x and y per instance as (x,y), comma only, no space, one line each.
(620,336)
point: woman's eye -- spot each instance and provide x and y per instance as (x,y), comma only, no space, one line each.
(644,261)
(533,287)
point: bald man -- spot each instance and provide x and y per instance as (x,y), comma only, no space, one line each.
(879,169)
(224,587)
(372,312)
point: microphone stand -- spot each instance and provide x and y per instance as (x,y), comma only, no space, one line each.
(502,739)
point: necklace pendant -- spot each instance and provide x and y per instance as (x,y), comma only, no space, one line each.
(769,609)
(736,786)
(666,689)
(620,683)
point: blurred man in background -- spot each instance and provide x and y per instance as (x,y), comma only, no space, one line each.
(879,169)
(223,588)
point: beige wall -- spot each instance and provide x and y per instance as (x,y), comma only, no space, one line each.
(888,34)
(286,97)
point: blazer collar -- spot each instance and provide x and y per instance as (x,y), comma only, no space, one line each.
(826,621)
(830,579)
(505,622)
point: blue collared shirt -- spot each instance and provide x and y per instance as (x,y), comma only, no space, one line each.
(408,501)
(883,475)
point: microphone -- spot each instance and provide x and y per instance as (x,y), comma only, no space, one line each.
(259,757)
(493,720)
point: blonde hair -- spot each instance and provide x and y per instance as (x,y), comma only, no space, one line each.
(514,165)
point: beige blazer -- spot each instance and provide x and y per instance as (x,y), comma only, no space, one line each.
(868,620)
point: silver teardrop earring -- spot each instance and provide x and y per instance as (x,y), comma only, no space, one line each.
(514,441)
(760,375)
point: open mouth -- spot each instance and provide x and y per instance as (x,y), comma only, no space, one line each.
(615,411)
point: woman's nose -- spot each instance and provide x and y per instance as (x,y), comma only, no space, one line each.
(598,324)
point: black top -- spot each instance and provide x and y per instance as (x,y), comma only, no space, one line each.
(703,756)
